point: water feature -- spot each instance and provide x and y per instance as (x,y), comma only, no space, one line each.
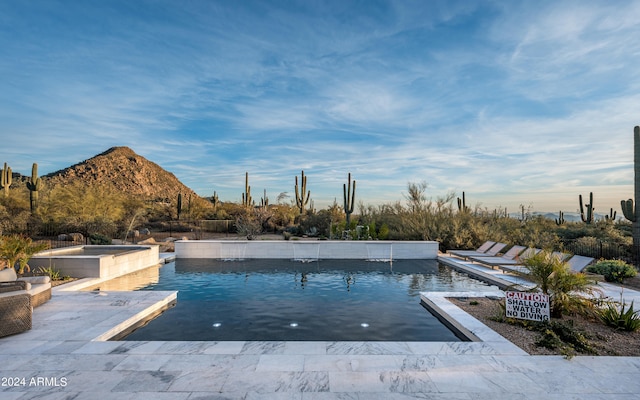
(307,251)
(380,252)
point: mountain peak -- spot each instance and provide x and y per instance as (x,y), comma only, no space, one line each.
(126,171)
(123,150)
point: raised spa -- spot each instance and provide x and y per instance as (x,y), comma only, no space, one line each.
(91,261)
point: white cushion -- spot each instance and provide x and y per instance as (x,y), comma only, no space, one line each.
(35,280)
(8,275)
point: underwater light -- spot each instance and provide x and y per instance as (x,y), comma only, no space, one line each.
(217,325)
(364,325)
(293,324)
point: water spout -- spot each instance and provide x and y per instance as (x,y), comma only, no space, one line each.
(306,251)
(380,252)
(233,251)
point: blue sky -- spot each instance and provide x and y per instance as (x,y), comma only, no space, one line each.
(513,102)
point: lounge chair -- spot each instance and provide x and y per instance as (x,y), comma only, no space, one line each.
(510,257)
(482,249)
(494,249)
(579,263)
(576,263)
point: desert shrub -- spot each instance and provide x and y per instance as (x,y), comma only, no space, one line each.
(619,318)
(564,337)
(316,224)
(613,270)
(248,226)
(97,238)
(383,232)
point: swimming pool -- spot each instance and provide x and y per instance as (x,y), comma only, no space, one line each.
(331,300)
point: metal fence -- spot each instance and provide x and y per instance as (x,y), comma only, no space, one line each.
(598,249)
(64,236)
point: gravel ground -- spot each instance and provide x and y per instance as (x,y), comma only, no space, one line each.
(607,341)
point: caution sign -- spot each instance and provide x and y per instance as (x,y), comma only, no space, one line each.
(531,306)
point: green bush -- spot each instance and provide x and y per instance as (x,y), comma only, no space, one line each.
(53,273)
(564,337)
(97,238)
(613,270)
(619,318)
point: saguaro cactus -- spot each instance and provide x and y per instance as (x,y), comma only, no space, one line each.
(246,196)
(6,179)
(301,198)
(179,205)
(462,204)
(630,210)
(34,185)
(264,201)
(349,198)
(560,220)
(215,200)
(588,217)
(627,209)
(612,215)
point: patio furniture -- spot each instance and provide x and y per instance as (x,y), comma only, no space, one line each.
(15,313)
(494,249)
(579,263)
(510,257)
(37,287)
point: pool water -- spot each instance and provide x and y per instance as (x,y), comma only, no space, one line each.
(329,300)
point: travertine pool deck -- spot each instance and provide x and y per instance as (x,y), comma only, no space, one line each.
(64,357)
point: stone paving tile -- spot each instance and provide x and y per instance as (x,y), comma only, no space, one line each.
(281,362)
(213,363)
(198,381)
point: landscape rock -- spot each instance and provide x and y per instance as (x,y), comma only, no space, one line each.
(76,237)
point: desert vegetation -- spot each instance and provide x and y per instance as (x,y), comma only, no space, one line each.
(118,193)
(104,210)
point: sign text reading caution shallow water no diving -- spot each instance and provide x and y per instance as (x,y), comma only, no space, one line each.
(531,306)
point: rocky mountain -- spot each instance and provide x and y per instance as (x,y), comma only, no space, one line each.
(127,172)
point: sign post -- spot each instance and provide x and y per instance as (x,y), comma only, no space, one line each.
(531,306)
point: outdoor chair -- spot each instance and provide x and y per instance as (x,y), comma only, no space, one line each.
(37,287)
(510,257)
(15,311)
(493,249)
(579,263)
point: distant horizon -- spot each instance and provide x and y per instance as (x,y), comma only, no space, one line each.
(514,103)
